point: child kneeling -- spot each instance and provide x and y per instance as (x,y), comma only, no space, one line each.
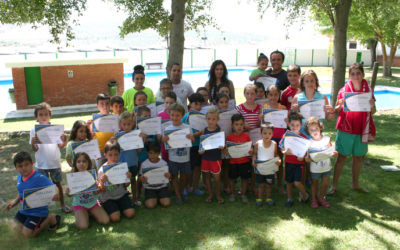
(157,191)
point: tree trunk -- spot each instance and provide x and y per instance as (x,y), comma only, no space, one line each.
(177,37)
(342,10)
(388,60)
(372,43)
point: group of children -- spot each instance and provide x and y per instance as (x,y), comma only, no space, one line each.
(184,164)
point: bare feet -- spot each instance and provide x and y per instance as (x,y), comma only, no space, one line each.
(359,188)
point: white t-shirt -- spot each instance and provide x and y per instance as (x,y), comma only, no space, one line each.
(148,165)
(179,154)
(183,90)
(321,166)
(48,156)
(265,154)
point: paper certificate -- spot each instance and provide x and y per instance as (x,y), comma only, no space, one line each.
(276,117)
(116,173)
(267,167)
(105,123)
(38,197)
(225,122)
(312,108)
(177,138)
(165,124)
(49,134)
(160,106)
(151,106)
(157,175)
(197,120)
(357,102)
(130,140)
(232,104)
(321,155)
(89,147)
(212,141)
(237,150)
(204,109)
(255,135)
(261,101)
(297,144)
(81,182)
(149,125)
(267,81)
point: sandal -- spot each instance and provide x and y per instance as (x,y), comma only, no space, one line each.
(57,225)
(331,191)
(209,200)
(221,201)
(324,203)
(314,204)
(66,209)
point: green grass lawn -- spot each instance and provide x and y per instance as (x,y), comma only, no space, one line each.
(355,220)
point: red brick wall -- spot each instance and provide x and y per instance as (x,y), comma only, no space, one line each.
(396,61)
(19,88)
(59,90)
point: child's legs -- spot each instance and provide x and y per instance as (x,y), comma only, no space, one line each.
(217,179)
(268,189)
(289,190)
(208,184)
(60,193)
(195,163)
(245,182)
(151,203)
(133,170)
(29,232)
(339,163)
(129,213)
(301,188)
(245,172)
(56,177)
(81,219)
(314,189)
(164,197)
(165,202)
(185,171)
(100,215)
(261,188)
(356,169)
(324,186)
(126,206)
(232,185)
(182,182)
(279,174)
(174,180)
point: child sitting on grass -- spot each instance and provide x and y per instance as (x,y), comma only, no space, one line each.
(31,221)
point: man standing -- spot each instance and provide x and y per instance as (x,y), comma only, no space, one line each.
(182,88)
(277,58)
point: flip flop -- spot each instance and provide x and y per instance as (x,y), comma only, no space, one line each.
(66,209)
(209,200)
(57,225)
(221,201)
(331,191)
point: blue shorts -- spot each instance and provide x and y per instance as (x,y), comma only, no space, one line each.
(31,222)
(317,176)
(121,204)
(267,179)
(179,167)
(55,174)
(293,172)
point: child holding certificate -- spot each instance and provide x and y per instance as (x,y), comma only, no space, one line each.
(114,199)
(264,150)
(211,159)
(31,221)
(48,156)
(293,74)
(321,169)
(262,64)
(117,105)
(355,129)
(250,110)
(239,167)
(130,156)
(86,203)
(170,98)
(273,102)
(179,158)
(196,101)
(294,165)
(157,191)
(80,132)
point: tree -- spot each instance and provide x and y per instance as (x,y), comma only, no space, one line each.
(55,14)
(338,14)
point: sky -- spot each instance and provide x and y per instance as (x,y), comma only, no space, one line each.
(238,21)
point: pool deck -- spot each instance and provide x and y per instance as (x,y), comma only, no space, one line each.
(93,108)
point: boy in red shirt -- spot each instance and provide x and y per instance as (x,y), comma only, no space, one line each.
(239,167)
(293,73)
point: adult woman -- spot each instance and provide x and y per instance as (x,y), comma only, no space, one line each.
(128,95)
(218,74)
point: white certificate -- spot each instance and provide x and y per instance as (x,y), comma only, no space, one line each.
(177,138)
(116,173)
(197,120)
(157,175)
(255,135)
(212,141)
(317,156)
(276,117)
(151,106)
(232,104)
(165,124)
(160,106)
(237,150)
(130,140)
(49,134)
(357,102)
(225,122)
(261,101)
(105,123)
(267,81)
(204,109)
(150,125)
(267,167)
(313,108)
(89,147)
(297,144)
(38,197)
(81,182)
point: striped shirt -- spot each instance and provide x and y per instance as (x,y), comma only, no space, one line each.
(250,116)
